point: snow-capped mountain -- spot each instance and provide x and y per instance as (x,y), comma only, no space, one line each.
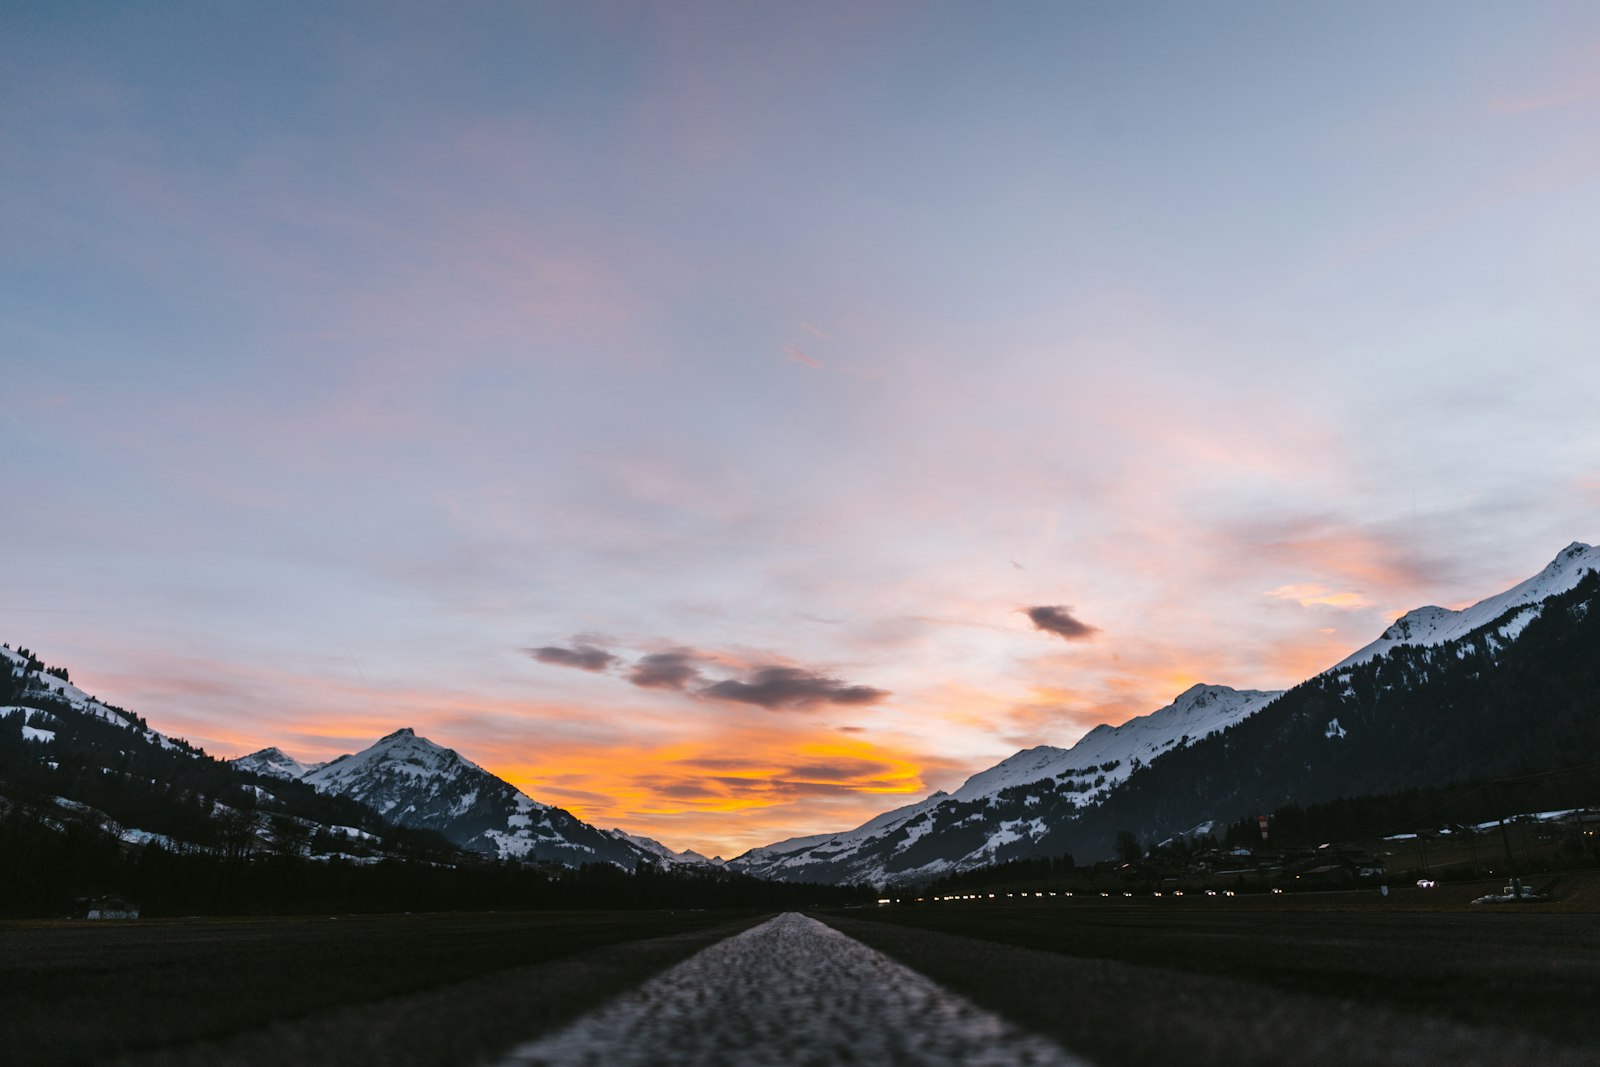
(405,779)
(275,763)
(687,858)
(1112,752)
(888,846)
(1508,685)
(1433,625)
(1517,695)
(1505,687)
(411,781)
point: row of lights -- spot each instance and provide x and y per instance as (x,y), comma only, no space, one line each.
(1065,893)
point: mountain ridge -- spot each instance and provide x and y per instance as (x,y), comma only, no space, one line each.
(1026,805)
(1433,625)
(273,762)
(1096,764)
(413,781)
(1038,799)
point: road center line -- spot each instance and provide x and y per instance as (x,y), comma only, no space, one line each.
(790,991)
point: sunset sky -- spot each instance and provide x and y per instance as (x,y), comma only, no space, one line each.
(730,421)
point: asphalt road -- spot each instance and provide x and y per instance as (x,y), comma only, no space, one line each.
(1303,982)
(791,991)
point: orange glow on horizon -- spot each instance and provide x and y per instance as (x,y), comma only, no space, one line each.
(719,777)
(696,792)
(1313,595)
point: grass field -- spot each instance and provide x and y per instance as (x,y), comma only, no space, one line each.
(1419,976)
(401,989)
(1302,979)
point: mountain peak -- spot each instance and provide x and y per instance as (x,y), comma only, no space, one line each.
(656,850)
(1200,695)
(408,740)
(275,763)
(1574,551)
(1075,778)
(1416,621)
(1433,625)
(412,781)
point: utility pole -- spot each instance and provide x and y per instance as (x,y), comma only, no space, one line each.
(1505,837)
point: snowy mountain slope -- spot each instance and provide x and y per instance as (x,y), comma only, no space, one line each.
(35,679)
(414,782)
(1032,799)
(1435,625)
(275,763)
(144,786)
(411,781)
(1517,696)
(1084,774)
(405,779)
(1198,712)
(665,855)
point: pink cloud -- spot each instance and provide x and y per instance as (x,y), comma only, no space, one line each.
(795,355)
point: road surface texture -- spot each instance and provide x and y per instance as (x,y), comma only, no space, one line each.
(791,991)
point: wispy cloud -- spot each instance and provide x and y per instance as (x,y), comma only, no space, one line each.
(1313,595)
(795,354)
(543,403)
(1388,558)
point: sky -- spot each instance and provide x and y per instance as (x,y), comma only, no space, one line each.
(732,421)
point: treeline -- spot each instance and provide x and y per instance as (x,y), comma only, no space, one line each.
(223,841)
(164,786)
(168,791)
(1014,872)
(1423,810)
(55,870)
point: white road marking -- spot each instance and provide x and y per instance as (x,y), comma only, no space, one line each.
(790,991)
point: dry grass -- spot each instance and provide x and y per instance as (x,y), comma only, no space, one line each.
(1418,962)
(413,989)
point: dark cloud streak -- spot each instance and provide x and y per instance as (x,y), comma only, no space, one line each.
(666,670)
(584,657)
(1057,619)
(779,688)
